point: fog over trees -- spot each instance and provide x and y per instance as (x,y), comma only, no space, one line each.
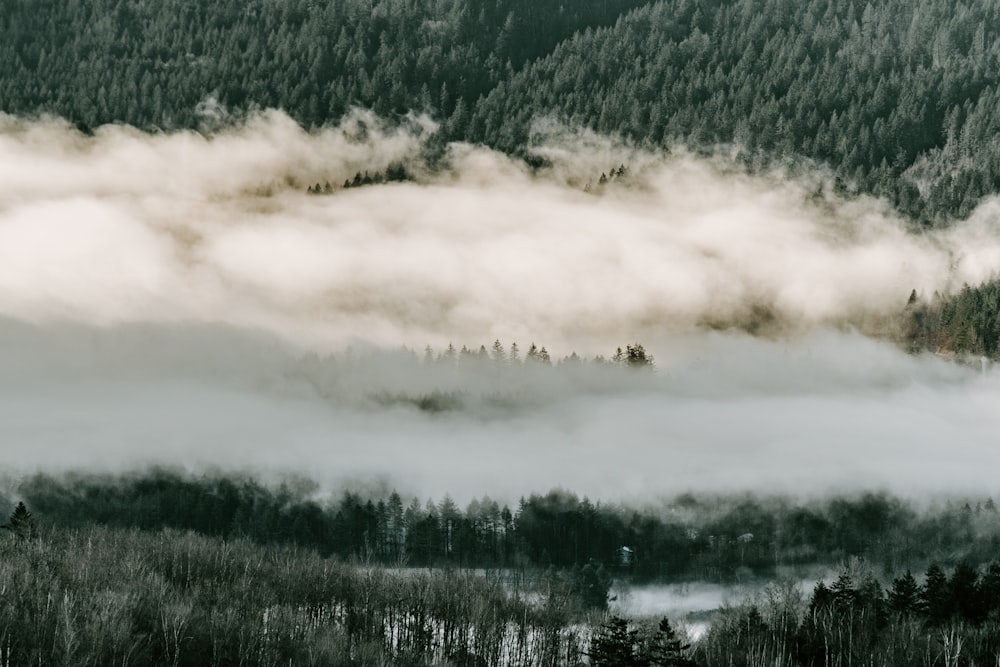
(427,332)
(897,98)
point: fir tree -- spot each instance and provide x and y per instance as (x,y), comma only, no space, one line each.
(905,594)
(21,522)
(934,597)
(614,645)
(666,649)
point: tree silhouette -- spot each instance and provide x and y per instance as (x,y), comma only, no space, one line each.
(614,645)
(905,594)
(593,584)
(20,523)
(934,597)
(666,649)
(636,357)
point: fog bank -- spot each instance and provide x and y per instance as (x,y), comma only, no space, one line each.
(126,227)
(825,413)
(175,299)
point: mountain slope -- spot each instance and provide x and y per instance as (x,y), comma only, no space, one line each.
(900,99)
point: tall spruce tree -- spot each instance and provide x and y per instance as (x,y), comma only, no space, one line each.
(665,648)
(615,645)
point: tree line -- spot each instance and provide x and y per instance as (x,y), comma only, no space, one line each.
(945,620)
(965,323)
(713,539)
(114,595)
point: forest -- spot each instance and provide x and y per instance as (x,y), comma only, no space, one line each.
(895,99)
(852,110)
(687,538)
(166,593)
(966,323)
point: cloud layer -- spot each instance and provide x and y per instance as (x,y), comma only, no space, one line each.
(828,412)
(172,299)
(128,227)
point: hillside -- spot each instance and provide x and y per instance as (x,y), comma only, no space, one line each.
(899,99)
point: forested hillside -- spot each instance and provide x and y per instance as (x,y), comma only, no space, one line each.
(150,64)
(898,98)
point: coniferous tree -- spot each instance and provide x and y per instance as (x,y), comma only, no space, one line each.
(904,597)
(665,648)
(636,357)
(615,645)
(21,523)
(963,588)
(935,599)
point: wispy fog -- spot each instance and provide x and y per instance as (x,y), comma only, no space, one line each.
(173,298)
(722,413)
(130,227)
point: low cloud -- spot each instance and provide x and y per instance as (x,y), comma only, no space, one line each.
(827,412)
(173,298)
(126,227)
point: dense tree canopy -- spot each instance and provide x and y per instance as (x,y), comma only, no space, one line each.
(856,620)
(710,539)
(898,98)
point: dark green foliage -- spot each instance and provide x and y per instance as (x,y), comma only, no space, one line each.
(844,624)
(935,598)
(717,540)
(21,524)
(911,120)
(967,323)
(844,619)
(989,588)
(904,597)
(665,649)
(433,402)
(151,64)
(898,98)
(965,594)
(394,173)
(615,645)
(634,356)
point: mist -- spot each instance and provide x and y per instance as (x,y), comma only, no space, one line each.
(179,299)
(126,227)
(722,413)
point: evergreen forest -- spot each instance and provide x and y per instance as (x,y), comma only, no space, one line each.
(895,98)
(892,105)
(167,568)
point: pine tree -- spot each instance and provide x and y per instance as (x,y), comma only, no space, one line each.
(963,588)
(614,645)
(498,354)
(636,357)
(666,649)
(905,594)
(934,597)
(21,523)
